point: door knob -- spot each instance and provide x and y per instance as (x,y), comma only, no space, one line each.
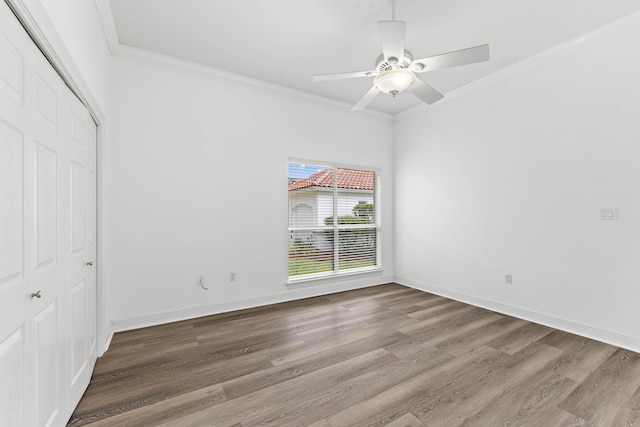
(90,263)
(37,294)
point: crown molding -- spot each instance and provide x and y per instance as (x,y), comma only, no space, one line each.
(108,25)
(545,56)
(165,61)
(181,65)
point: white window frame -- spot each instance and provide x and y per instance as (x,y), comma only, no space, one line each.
(377,201)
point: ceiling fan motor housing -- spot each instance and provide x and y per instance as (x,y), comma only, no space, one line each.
(404,62)
(394,74)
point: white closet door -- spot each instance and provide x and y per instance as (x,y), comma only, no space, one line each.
(45,148)
(16,328)
(47,229)
(80,258)
(92,244)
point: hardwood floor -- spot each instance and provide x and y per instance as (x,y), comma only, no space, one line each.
(387,355)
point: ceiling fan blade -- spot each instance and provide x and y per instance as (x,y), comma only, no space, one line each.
(452,59)
(392,34)
(425,92)
(366,99)
(336,76)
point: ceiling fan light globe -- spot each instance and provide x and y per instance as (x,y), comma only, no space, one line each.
(394,81)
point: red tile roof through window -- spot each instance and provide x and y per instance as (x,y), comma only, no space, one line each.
(347,178)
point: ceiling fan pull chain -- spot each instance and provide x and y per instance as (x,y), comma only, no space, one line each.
(393,10)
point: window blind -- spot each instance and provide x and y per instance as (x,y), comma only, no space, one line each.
(334,220)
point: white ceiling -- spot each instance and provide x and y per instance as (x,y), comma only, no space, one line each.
(287,41)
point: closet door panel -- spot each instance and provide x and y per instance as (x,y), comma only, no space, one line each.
(79,338)
(47,362)
(45,210)
(80,261)
(13,63)
(14,290)
(92,216)
(11,204)
(12,378)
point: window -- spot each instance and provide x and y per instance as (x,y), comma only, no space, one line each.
(334,220)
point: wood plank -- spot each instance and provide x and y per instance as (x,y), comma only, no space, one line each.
(462,342)
(601,396)
(431,299)
(436,308)
(163,411)
(419,298)
(457,316)
(518,339)
(525,403)
(339,326)
(402,296)
(552,417)
(629,413)
(341,339)
(581,356)
(407,420)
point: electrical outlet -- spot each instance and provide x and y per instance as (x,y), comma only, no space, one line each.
(508,279)
(232,276)
(608,214)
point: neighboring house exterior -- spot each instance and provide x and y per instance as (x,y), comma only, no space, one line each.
(311,201)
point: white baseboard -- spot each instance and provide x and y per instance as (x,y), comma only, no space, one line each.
(609,337)
(587,331)
(191,313)
(107,342)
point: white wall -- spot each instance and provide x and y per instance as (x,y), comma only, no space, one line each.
(78,24)
(509,179)
(198,174)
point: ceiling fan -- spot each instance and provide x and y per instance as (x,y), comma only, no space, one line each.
(396,70)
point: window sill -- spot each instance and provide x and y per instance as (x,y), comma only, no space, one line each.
(318,278)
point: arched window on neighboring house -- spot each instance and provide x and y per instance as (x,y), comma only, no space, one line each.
(302,216)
